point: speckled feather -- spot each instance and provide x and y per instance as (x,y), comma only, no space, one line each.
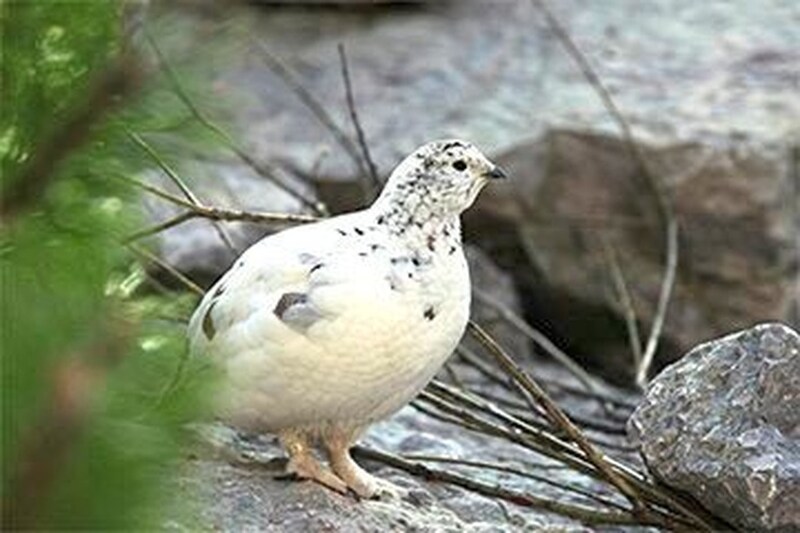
(344,321)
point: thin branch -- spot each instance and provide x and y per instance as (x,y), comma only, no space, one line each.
(663,201)
(312,103)
(263,170)
(158,228)
(539,338)
(191,285)
(178,181)
(547,444)
(498,467)
(582,513)
(664,294)
(117,82)
(531,390)
(362,140)
(625,300)
(218,213)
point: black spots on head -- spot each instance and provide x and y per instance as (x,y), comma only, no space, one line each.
(341,232)
(363,254)
(359,231)
(396,260)
(381,219)
(288,300)
(460,165)
(429,313)
(209,330)
(452,144)
(316,267)
(452,250)
(415,261)
(375,247)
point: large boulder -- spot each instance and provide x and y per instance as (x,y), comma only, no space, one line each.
(723,424)
(580,203)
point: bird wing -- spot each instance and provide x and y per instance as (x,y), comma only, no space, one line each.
(292,284)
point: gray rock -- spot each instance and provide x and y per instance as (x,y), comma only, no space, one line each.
(723,424)
(579,195)
(235,486)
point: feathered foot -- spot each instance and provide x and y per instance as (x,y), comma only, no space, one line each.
(364,484)
(304,465)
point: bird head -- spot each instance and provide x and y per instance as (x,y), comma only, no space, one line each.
(442,176)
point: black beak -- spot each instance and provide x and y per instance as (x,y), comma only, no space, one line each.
(496,173)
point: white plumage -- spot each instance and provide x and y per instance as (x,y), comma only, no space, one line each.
(325,328)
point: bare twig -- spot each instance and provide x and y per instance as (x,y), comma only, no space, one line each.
(119,80)
(663,201)
(498,467)
(362,140)
(191,285)
(178,181)
(218,213)
(665,291)
(585,514)
(531,389)
(625,300)
(262,169)
(312,103)
(539,338)
(549,445)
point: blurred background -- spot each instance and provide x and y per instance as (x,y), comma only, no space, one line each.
(654,150)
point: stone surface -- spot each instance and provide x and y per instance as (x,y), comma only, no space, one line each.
(723,424)
(580,197)
(234,485)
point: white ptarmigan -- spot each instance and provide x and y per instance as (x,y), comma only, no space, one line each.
(323,329)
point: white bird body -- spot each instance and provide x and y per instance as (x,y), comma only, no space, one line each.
(325,328)
(368,353)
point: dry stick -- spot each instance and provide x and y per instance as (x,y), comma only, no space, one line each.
(539,338)
(118,81)
(498,467)
(362,140)
(178,181)
(663,302)
(535,394)
(312,103)
(665,209)
(191,285)
(472,359)
(218,213)
(579,512)
(261,169)
(551,446)
(625,300)
(213,213)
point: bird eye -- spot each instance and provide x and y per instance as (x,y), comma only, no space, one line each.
(459,165)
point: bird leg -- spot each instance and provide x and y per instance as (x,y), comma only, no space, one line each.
(338,442)
(304,465)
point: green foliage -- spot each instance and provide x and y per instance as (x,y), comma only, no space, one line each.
(65,278)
